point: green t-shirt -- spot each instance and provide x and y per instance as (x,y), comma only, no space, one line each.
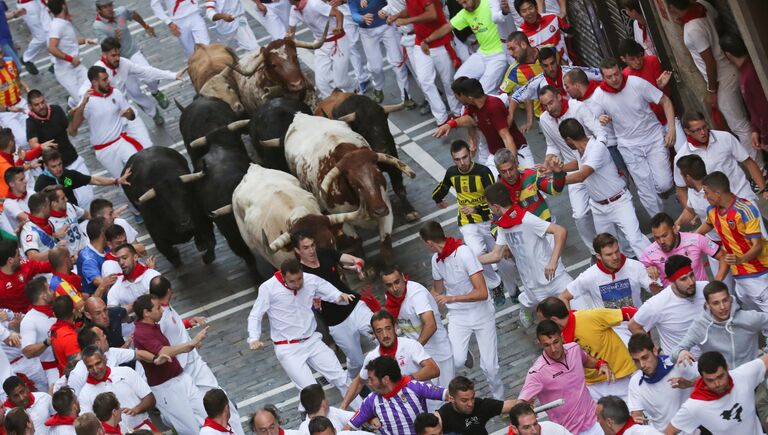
(482,25)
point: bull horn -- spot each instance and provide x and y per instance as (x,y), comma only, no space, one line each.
(257,63)
(238,125)
(329,178)
(340,218)
(393,107)
(199,142)
(219,212)
(148,195)
(188,178)
(348,118)
(313,45)
(270,143)
(386,158)
(181,108)
(280,243)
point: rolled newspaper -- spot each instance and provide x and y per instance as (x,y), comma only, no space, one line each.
(550,405)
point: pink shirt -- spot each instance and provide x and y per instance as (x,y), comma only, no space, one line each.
(692,245)
(550,380)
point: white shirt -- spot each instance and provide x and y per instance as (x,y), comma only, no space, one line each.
(31,238)
(532,250)
(314,15)
(35,328)
(660,402)
(172,326)
(633,121)
(339,418)
(671,316)
(601,289)
(164,9)
(417,301)
(640,429)
(723,153)
(64,31)
(646,42)
(115,357)
(550,127)
(290,312)
(15,207)
(733,413)
(76,240)
(124,292)
(605,181)
(699,204)
(597,110)
(130,232)
(130,70)
(409,355)
(103,116)
(455,271)
(552,428)
(64,429)
(39,412)
(232,7)
(129,389)
(699,35)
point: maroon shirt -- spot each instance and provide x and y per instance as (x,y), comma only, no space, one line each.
(492,118)
(151,338)
(754,99)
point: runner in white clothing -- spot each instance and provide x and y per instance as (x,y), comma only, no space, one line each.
(64,402)
(35,328)
(64,218)
(37,237)
(274,15)
(63,44)
(230,24)
(615,419)
(37,405)
(523,420)
(38,18)
(316,405)
(219,413)
(184,22)
(134,280)
(105,108)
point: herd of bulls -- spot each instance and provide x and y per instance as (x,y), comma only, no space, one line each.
(314,165)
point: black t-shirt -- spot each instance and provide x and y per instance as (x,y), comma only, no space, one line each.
(114,332)
(470,424)
(333,314)
(54,128)
(69,179)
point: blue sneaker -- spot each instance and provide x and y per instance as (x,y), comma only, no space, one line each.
(138,218)
(364,86)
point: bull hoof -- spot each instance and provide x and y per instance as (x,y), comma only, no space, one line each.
(209,256)
(412,216)
(175,262)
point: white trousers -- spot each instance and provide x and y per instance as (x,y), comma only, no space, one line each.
(276,19)
(34,371)
(487,68)
(38,21)
(332,62)
(620,215)
(582,214)
(205,380)
(115,156)
(731,105)
(650,169)
(193,31)
(714,265)
(428,68)
(83,194)
(297,358)
(147,103)
(530,297)
(372,40)
(71,78)
(619,388)
(347,336)
(479,239)
(460,329)
(408,41)
(242,38)
(17,122)
(356,59)
(753,292)
(138,130)
(181,404)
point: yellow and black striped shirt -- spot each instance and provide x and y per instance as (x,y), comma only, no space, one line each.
(470,191)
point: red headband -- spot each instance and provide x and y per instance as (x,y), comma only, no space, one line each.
(685,270)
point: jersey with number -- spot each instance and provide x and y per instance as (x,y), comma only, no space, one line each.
(75,239)
(34,238)
(736,225)
(547,31)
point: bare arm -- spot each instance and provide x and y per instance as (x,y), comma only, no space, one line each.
(429,370)
(755,173)
(354,389)
(494,256)
(78,116)
(36,349)
(669,112)
(428,326)
(566,297)
(147,403)
(682,195)
(53,48)
(636,328)
(440,32)
(429,14)
(509,141)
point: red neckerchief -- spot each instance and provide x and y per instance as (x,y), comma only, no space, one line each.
(644,29)
(10,405)
(110,256)
(569,331)
(59,214)
(60,420)
(106,64)
(389,351)
(701,392)
(93,381)
(111,429)
(45,309)
(137,271)
(281,431)
(593,85)
(696,143)
(216,426)
(563,109)
(606,271)
(610,89)
(8,158)
(512,217)
(34,115)
(98,18)
(631,422)
(398,386)
(558,82)
(696,10)
(12,195)
(99,94)
(72,278)
(531,28)
(43,223)
(393,304)
(279,276)
(451,245)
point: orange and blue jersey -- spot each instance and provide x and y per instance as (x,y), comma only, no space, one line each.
(10,94)
(736,225)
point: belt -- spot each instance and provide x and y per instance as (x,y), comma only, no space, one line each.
(336,37)
(614,198)
(48,365)
(299,340)
(21,2)
(17,359)
(136,144)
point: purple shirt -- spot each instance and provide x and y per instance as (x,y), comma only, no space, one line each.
(692,245)
(550,380)
(398,413)
(150,338)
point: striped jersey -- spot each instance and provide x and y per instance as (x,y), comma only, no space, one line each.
(528,191)
(517,76)
(470,191)
(547,31)
(9,83)
(398,412)
(736,225)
